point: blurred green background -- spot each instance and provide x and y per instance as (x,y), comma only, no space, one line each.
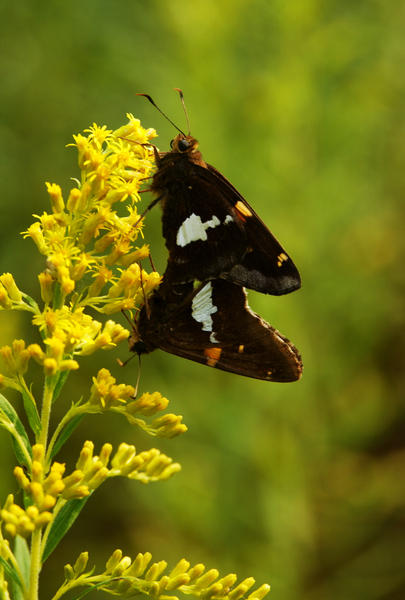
(301,105)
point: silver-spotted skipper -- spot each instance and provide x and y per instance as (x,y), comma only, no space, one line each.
(212,324)
(210,229)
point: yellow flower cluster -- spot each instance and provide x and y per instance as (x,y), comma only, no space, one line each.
(127,578)
(113,166)
(106,394)
(23,522)
(88,245)
(91,471)
(150,465)
(146,466)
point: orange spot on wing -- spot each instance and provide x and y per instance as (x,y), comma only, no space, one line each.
(242,211)
(212,355)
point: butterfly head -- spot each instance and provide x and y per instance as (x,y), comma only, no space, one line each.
(184,144)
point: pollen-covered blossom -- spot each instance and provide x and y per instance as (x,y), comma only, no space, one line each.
(16,358)
(68,332)
(86,233)
(106,393)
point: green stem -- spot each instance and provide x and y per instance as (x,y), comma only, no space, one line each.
(58,506)
(35,565)
(72,412)
(46,413)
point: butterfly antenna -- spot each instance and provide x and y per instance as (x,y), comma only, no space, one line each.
(184,108)
(122,364)
(161,112)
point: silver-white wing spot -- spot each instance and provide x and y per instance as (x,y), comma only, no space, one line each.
(202,309)
(228,219)
(193,229)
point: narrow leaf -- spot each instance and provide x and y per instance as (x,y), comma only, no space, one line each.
(11,572)
(7,409)
(62,523)
(30,301)
(63,375)
(66,433)
(32,413)
(23,556)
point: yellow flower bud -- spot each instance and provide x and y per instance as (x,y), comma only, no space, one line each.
(81,563)
(122,566)
(43,520)
(50,367)
(69,572)
(8,358)
(55,194)
(8,281)
(35,231)
(21,477)
(73,200)
(68,365)
(113,561)
(46,282)
(81,491)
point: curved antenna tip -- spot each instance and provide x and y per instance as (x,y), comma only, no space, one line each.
(184,108)
(161,112)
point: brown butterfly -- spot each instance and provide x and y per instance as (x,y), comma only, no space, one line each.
(210,230)
(212,324)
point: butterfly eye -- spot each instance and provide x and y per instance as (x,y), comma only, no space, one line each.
(183,145)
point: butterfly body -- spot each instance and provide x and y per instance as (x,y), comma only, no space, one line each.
(212,324)
(210,229)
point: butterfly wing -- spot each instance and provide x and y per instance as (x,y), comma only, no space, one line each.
(204,238)
(266,266)
(211,231)
(216,327)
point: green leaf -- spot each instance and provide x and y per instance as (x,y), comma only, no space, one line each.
(59,385)
(23,557)
(62,523)
(30,301)
(7,409)
(12,573)
(66,433)
(32,413)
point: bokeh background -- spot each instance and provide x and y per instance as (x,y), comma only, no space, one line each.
(300,103)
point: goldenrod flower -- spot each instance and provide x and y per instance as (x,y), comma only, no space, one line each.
(8,282)
(16,358)
(46,281)
(24,522)
(106,393)
(55,194)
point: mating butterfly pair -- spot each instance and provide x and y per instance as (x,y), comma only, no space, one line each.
(217,246)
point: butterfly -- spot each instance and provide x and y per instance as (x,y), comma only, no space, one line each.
(210,230)
(211,323)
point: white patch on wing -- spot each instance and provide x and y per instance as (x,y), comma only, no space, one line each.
(202,309)
(193,229)
(228,219)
